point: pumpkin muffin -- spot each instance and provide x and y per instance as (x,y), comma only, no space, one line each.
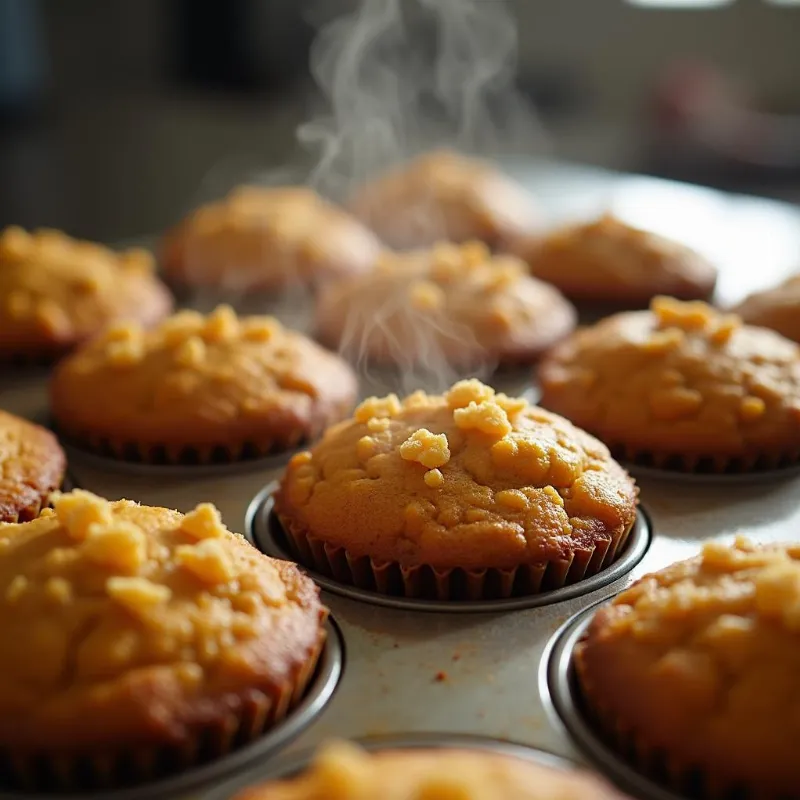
(57,292)
(694,668)
(32,466)
(467,495)
(607,262)
(682,387)
(199,389)
(266,239)
(454,304)
(138,641)
(446,195)
(346,772)
(777,308)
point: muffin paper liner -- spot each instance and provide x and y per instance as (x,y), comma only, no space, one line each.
(32,510)
(68,772)
(434,583)
(707,464)
(160,454)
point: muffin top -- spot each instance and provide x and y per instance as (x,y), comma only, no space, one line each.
(56,292)
(345,772)
(609,262)
(454,302)
(267,238)
(216,379)
(445,195)
(701,659)
(124,624)
(680,377)
(32,465)
(777,308)
(469,479)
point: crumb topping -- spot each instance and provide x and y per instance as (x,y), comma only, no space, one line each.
(62,288)
(683,375)
(472,466)
(135,587)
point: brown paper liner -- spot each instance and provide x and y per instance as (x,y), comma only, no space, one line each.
(32,510)
(433,583)
(68,772)
(707,464)
(168,454)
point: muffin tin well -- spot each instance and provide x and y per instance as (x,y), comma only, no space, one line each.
(294,766)
(559,687)
(266,532)
(319,693)
(492,671)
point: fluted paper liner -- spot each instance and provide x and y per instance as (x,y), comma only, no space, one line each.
(695,464)
(63,772)
(434,583)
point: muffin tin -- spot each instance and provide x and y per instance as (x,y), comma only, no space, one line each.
(496,671)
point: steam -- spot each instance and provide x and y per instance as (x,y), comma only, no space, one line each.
(403,76)
(399,78)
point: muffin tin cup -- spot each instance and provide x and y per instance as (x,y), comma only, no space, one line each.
(643,772)
(428,588)
(416,741)
(258,731)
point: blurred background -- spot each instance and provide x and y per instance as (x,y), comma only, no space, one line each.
(116,117)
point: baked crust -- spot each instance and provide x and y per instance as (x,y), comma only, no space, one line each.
(468,480)
(343,771)
(201,382)
(452,305)
(699,662)
(444,195)
(133,627)
(610,263)
(32,465)
(777,308)
(680,380)
(266,239)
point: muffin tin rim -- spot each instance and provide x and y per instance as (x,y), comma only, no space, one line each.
(321,690)
(791,472)
(556,685)
(415,740)
(260,514)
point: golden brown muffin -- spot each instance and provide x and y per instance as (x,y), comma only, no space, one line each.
(446,195)
(32,465)
(681,386)
(199,389)
(777,309)
(455,304)
(470,494)
(697,664)
(56,292)
(610,263)
(137,640)
(343,771)
(266,239)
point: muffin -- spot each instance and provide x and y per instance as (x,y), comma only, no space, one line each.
(694,669)
(32,466)
(682,387)
(57,292)
(266,239)
(346,772)
(445,195)
(468,495)
(607,262)
(139,641)
(777,308)
(199,389)
(454,304)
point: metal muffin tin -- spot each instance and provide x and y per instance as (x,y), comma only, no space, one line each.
(411,673)
(265,531)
